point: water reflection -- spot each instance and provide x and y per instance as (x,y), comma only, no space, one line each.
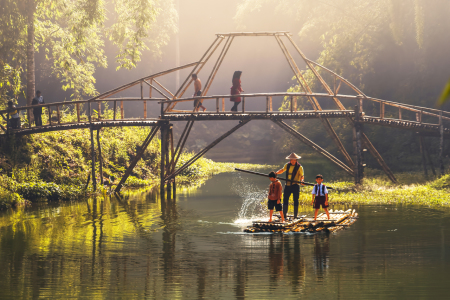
(138,246)
(321,254)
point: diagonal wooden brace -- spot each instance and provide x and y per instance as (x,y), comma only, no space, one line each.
(206,149)
(145,144)
(314,146)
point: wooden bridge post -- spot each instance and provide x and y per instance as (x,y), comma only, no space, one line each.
(88,111)
(357,134)
(422,152)
(94,180)
(441,144)
(50,115)
(100,158)
(78,112)
(164,151)
(114,108)
(169,151)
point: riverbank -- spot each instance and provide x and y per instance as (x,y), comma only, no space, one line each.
(56,166)
(379,190)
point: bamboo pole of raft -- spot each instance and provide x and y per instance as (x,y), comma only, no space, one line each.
(293,181)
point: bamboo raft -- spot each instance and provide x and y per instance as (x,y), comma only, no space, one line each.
(339,219)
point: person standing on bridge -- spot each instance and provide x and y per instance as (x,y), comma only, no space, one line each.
(294,172)
(197,93)
(236,89)
(14,121)
(37,111)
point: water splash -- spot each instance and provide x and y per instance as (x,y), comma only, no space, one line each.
(254,201)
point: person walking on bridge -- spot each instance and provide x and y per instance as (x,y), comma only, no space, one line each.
(236,89)
(197,93)
(37,111)
(294,172)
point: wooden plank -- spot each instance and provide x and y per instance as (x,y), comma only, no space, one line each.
(382,110)
(399,113)
(223,104)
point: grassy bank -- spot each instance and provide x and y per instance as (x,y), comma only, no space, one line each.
(378,190)
(56,165)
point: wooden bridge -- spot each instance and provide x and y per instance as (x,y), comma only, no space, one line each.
(426,121)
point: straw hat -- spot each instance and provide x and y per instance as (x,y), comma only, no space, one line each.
(293,156)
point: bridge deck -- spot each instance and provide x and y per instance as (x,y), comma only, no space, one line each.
(224,116)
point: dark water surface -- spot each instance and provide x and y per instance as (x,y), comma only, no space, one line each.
(194,248)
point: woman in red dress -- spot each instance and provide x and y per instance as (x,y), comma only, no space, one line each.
(236,89)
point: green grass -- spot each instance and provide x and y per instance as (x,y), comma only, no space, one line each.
(56,165)
(377,190)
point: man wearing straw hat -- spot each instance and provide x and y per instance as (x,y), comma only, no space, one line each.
(294,172)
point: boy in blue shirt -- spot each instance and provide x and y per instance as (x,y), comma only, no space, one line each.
(320,196)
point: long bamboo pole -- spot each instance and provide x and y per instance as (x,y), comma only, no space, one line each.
(280,178)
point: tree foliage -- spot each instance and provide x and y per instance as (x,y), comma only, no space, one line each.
(390,49)
(73,34)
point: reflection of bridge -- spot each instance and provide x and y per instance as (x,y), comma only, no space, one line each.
(88,113)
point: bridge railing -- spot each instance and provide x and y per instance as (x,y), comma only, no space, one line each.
(81,111)
(418,112)
(86,111)
(166,106)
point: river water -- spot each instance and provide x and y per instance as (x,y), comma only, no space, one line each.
(193,248)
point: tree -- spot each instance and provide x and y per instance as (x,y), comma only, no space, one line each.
(390,49)
(72,34)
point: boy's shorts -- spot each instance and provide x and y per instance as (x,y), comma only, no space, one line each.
(273,204)
(318,201)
